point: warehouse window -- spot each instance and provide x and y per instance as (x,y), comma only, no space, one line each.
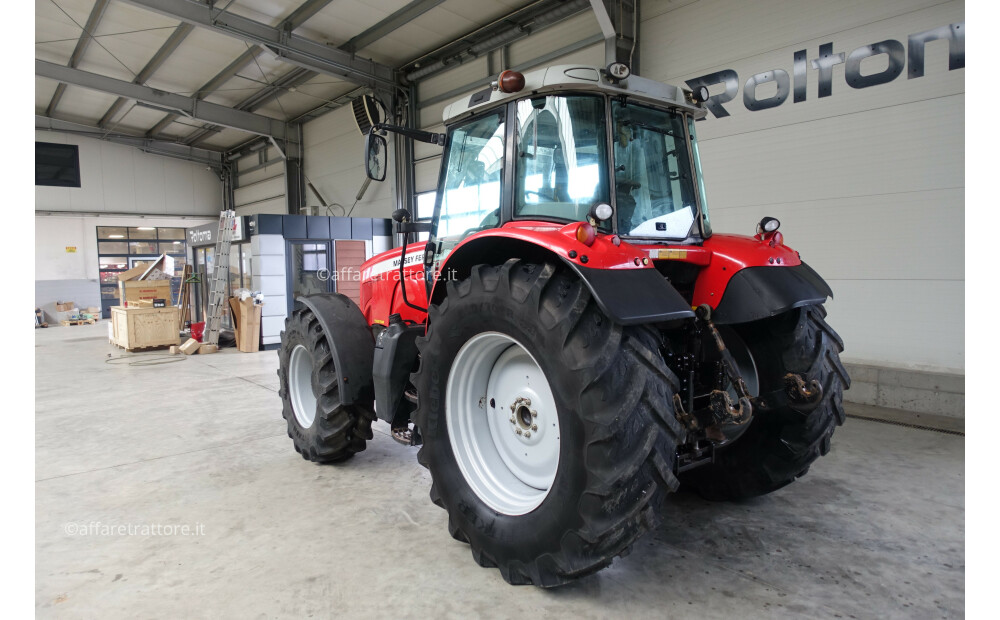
(120,248)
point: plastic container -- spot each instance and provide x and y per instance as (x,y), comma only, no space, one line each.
(198,330)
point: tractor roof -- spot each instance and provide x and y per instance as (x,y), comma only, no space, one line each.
(577,78)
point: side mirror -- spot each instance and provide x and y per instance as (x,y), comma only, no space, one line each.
(376,154)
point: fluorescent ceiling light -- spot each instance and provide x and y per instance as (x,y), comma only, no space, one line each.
(116,236)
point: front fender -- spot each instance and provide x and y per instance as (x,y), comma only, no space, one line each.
(351,344)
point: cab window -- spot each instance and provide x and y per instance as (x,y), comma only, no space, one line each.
(561,157)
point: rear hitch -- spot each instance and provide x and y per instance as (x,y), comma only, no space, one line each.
(722,407)
(796,388)
(797,394)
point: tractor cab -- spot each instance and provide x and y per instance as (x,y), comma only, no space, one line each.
(552,145)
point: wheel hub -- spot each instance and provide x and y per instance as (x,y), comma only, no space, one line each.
(522,418)
(508,454)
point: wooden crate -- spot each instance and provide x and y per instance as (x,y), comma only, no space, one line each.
(137,328)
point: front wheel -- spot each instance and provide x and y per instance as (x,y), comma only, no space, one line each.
(322,428)
(548,429)
(781,443)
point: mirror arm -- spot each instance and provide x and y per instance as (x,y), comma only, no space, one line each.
(416,134)
(413,227)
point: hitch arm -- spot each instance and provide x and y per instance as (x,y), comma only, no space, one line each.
(722,406)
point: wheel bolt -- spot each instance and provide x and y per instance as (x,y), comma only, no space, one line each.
(527,434)
(512,421)
(534,413)
(518,431)
(534,427)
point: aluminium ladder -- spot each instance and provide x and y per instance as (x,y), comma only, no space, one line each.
(219,278)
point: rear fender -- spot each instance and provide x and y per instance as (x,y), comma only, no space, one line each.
(629,294)
(748,279)
(351,344)
(760,292)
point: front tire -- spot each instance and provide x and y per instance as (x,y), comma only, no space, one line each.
(591,479)
(780,444)
(322,428)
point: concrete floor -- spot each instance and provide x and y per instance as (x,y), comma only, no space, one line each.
(874,531)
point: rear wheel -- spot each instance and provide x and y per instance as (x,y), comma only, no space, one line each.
(780,444)
(548,429)
(322,428)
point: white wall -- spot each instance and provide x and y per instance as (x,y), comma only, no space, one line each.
(121,179)
(868,183)
(334,163)
(73,276)
(260,184)
(114,179)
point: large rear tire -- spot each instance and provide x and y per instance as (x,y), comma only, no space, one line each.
(549,504)
(780,444)
(322,429)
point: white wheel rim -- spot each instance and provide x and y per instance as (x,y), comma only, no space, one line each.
(300,386)
(502,423)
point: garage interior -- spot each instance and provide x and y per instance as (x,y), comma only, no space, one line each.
(182,109)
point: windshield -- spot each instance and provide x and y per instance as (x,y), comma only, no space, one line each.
(654,192)
(470,200)
(561,157)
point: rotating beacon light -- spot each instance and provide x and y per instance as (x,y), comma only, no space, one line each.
(509,82)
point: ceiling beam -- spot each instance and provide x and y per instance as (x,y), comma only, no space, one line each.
(293,79)
(173,41)
(400,18)
(147,145)
(293,21)
(297,77)
(186,106)
(281,42)
(212,85)
(82,43)
(524,66)
(305,11)
(517,25)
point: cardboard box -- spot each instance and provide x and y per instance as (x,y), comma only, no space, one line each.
(246,319)
(65,306)
(160,269)
(142,293)
(131,274)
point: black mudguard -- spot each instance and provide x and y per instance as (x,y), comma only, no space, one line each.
(395,358)
(634,296)
(760,292)
(351,344)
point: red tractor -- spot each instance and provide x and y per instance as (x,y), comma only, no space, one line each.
(571,342)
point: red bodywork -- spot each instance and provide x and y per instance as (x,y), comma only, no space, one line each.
(719,257)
